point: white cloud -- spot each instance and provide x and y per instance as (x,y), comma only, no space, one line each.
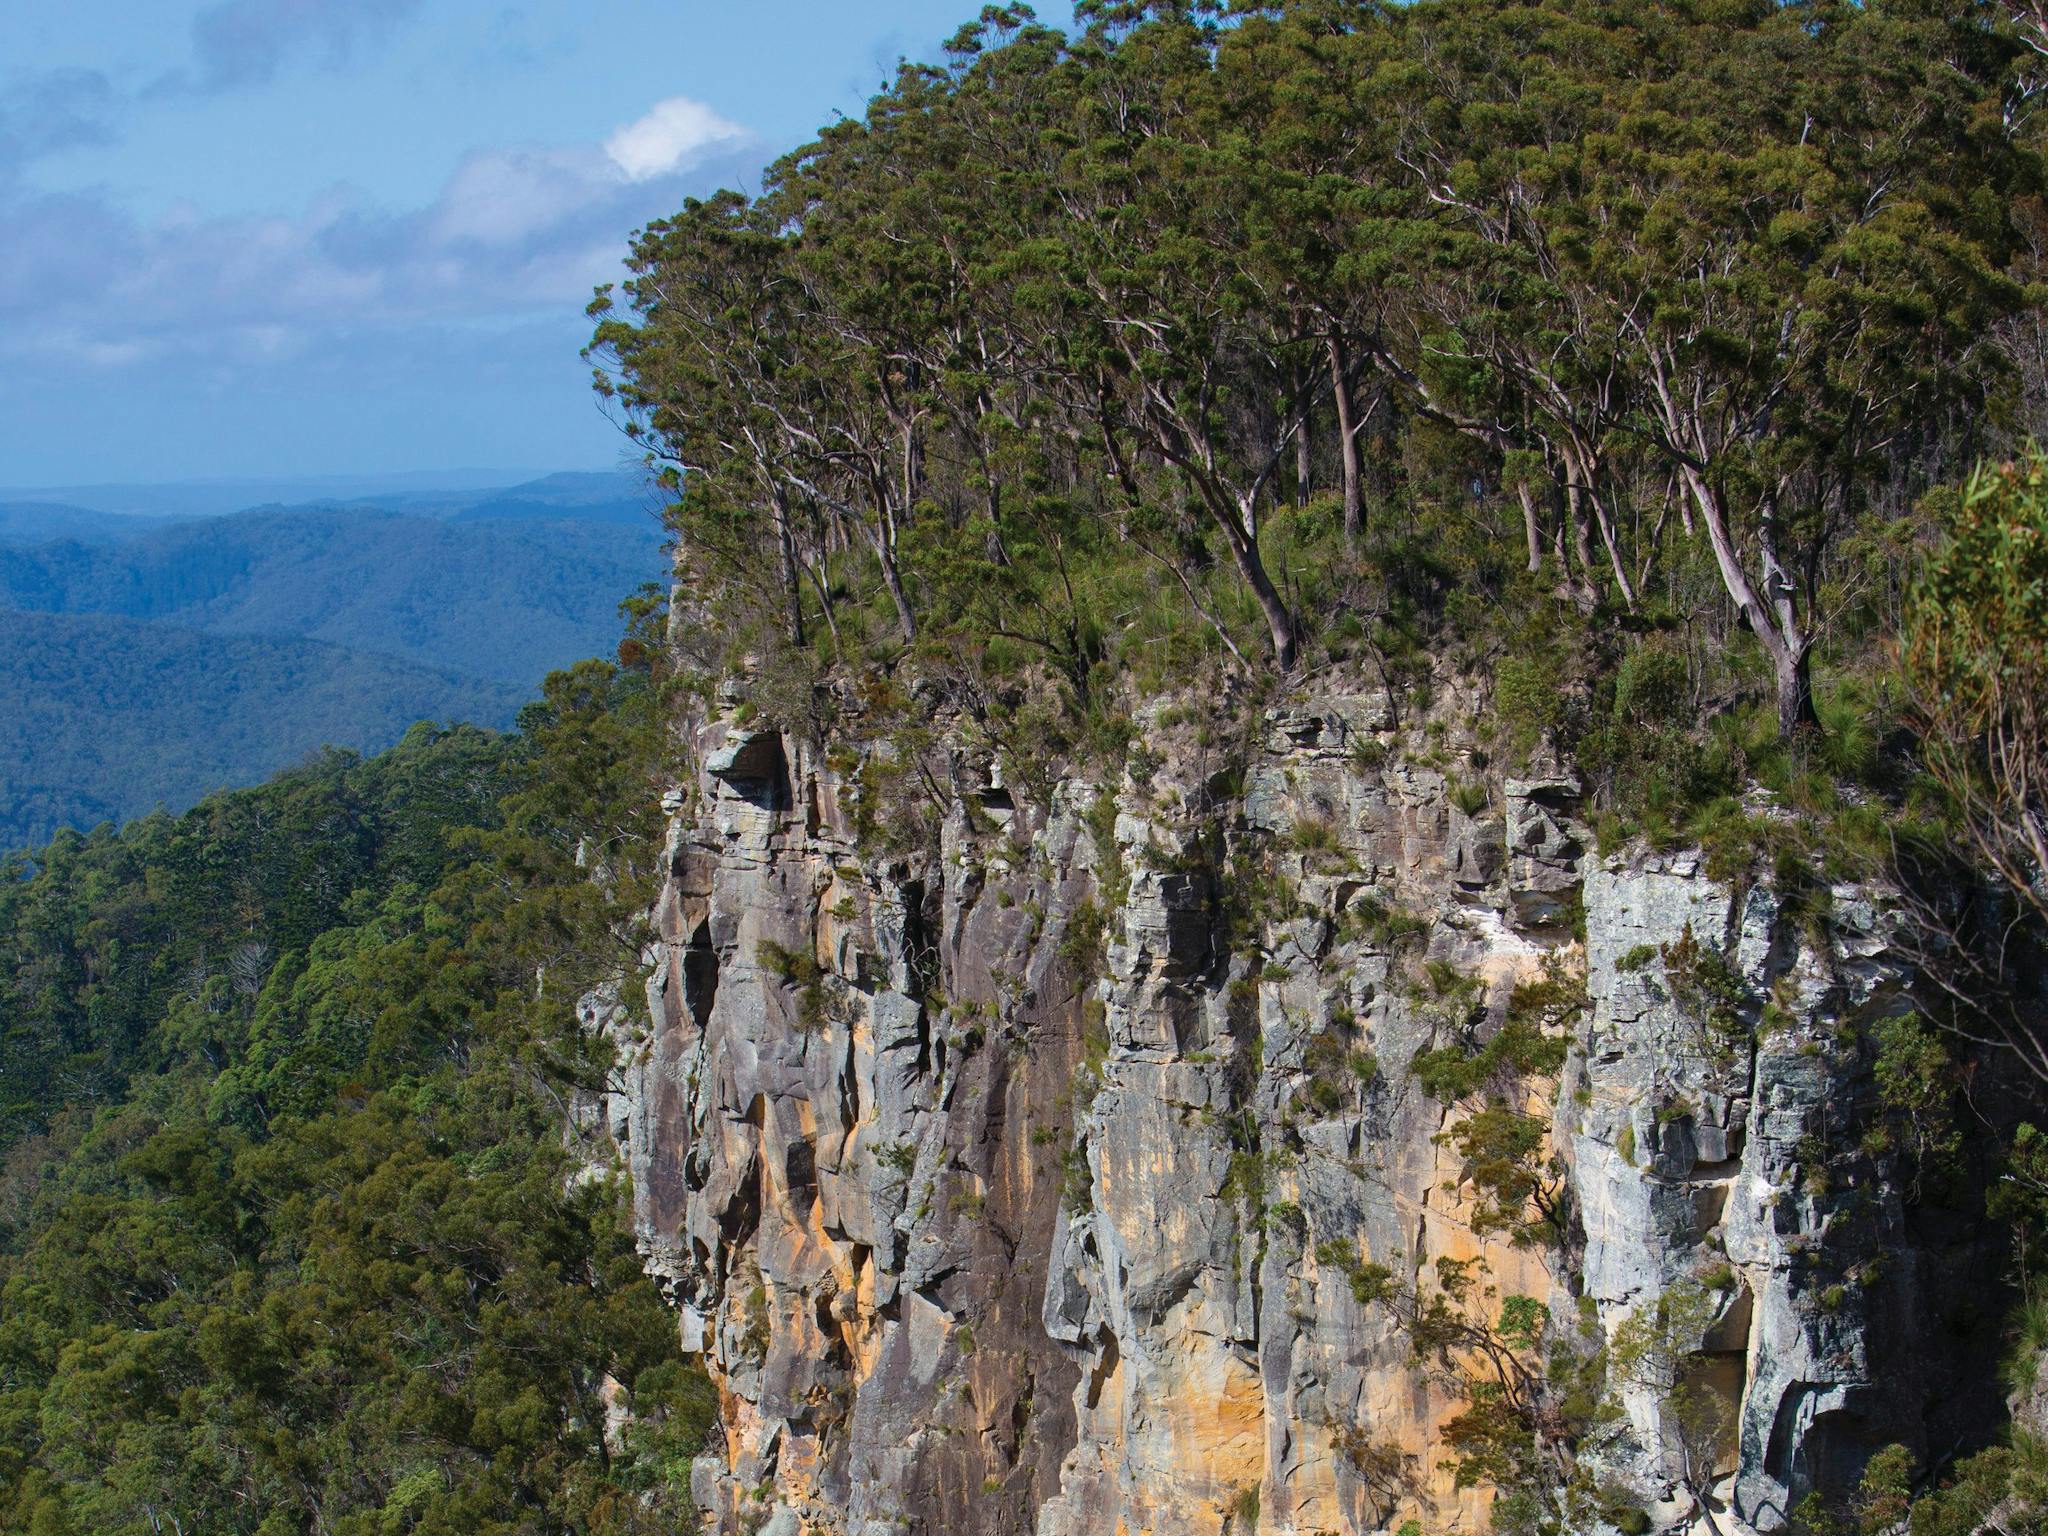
(515,233)
(674,132)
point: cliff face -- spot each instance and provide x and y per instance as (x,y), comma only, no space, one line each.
(987,1224)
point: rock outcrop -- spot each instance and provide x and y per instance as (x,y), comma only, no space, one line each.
(1046,1168)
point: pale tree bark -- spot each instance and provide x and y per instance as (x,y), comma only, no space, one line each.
(1347,441)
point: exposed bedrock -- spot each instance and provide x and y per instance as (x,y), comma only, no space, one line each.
(985,1225)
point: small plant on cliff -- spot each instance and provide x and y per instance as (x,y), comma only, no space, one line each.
(1244,1510)
(1531,1390)
(1077,1180)
(1336,1070)
(755,1323)
(1112,879)
(1320,844)
(1385,1474)
(1916,1089)
(1391,927)
(1085,940)
(1656,1349)
(1637,958)
(1520,1186)
(1711,995)
(1472,796)
(1522,1190)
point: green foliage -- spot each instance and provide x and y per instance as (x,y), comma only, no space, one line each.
(1103,362)
(312,1254)
(818,991)
(1710,992)
(1336,1070)
(1086,938)
(1520,1190)
(185,935)
(1530,1390)
(899,1157)
(1916,1084)
(1528,1043)
(1977,1488)
(1369,1283)
(104,719)
(1244,1509)
(1077,1181)
(1976,652)
(1520,1187)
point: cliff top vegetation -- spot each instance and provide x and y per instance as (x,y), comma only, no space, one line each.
(1613,350)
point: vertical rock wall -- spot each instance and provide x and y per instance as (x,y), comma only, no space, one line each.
(985,1225)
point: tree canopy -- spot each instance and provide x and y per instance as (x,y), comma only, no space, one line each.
(1218,328)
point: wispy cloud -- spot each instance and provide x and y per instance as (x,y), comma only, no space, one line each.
(44,111)
(514,232)
(238,43)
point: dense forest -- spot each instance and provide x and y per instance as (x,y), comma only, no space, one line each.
(106,719)
(1262,335)
(290,1235)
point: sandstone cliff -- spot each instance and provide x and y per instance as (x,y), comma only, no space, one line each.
(1071,1174)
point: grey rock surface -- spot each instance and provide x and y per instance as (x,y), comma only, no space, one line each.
(986,1226)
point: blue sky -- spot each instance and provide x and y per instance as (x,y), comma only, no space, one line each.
(304,237)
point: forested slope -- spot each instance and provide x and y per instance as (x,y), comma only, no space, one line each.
(107,719)
(290,1237)
(501,598)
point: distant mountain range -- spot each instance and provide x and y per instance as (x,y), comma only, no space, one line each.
(43,522)
(146,659)
(215,498)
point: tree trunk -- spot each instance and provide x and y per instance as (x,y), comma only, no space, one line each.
(1532,528)
(1789,650)
(1628,591)
(1279,621)
(1304,466)
(1794,672)
(792,593)
(1347,444)
(892,578)
(1582,472)
(1582,538)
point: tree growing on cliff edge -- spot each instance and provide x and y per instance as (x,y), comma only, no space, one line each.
(1761,239)
(1976,652)
(1335,313)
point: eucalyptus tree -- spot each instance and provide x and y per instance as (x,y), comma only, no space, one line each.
(703,378)
(1142,320)
(1769,243)
(1493,109)
(1803,277)
(1293,94)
